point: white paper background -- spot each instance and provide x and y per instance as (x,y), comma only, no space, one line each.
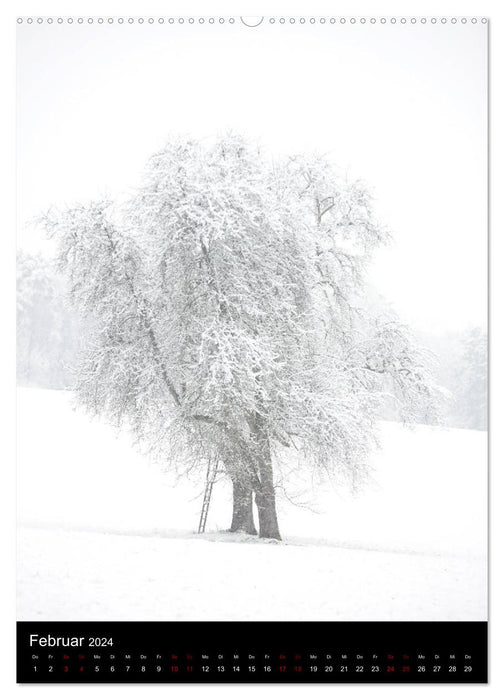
(8,29)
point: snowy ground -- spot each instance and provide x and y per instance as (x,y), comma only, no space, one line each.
(105,535)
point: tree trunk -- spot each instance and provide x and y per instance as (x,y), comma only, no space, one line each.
(266,505)
(265,492)
(243,515)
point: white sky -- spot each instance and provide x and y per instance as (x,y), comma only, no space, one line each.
(401,106)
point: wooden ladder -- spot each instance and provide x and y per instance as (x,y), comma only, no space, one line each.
(210,480)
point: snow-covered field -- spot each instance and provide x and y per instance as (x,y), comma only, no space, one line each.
(103,534)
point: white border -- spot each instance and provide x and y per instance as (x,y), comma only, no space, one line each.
(225,8)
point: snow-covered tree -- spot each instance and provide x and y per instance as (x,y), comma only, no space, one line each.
(230,317)
(473,394)
(462,368)
(47,334)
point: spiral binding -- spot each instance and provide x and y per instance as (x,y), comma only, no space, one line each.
(252,21)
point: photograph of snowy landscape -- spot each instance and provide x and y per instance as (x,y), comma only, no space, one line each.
(251,335)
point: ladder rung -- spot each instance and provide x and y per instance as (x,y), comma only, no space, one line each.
(210,478)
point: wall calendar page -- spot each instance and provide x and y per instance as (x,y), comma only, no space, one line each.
(252,349)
